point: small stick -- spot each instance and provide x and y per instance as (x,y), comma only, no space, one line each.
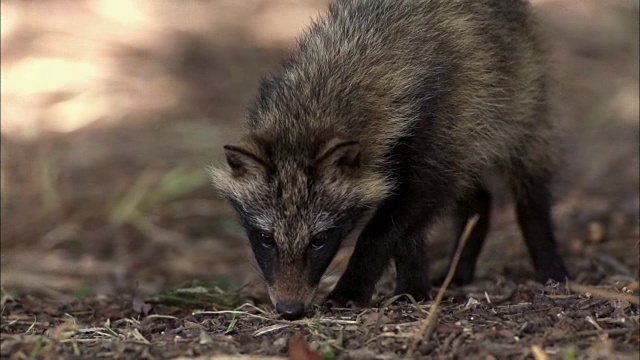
(538,353)
(602,293)
(425,329)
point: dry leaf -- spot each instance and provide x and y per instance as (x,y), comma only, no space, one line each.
(299,349)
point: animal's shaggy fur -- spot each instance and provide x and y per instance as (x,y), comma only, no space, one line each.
(393,111)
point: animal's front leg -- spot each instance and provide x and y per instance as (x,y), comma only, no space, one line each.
(370,258)
(393,228)
(412,266)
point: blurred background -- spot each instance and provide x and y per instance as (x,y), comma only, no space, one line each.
(112,109)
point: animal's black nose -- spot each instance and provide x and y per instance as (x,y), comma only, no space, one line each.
(290,310)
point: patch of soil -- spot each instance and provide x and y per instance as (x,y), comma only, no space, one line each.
(493,319)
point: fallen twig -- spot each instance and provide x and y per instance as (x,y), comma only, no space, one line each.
(538,353)
(603,293)
(425,329)
(232,357)
(321,320)
(588,333)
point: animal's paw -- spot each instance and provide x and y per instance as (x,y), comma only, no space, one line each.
(419,295)
(552,270)
(459,279)
(338,299)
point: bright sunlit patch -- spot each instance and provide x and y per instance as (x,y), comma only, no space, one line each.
(122,11)
(40,75)
(9,19)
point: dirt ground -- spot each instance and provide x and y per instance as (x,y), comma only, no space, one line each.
(115,246)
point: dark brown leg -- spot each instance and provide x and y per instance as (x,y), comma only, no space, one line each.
(412,267)
(393,231)
(533,206)
(478,201)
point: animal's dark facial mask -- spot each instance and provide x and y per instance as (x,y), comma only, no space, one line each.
(295,223)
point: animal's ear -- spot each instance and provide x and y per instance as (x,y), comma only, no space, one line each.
(244,162)
(340,155)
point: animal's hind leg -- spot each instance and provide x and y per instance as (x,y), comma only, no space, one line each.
(477,201)
(533,206)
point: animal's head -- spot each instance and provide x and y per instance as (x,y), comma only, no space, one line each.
(297,204)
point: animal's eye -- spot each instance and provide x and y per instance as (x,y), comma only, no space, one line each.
(266,239)
(318,241)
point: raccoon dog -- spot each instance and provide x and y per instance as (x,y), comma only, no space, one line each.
(389,113)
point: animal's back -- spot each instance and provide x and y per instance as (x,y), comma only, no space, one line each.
(467,77)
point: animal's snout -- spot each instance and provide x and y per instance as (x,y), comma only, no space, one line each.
(290,310)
